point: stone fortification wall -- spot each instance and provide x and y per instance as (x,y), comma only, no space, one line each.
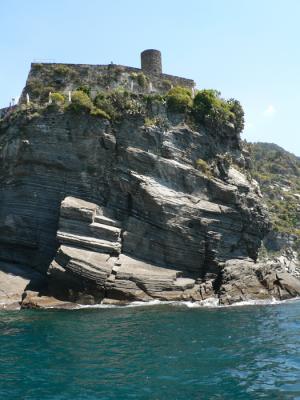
(51,77)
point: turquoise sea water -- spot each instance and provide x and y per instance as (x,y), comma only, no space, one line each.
(158,352)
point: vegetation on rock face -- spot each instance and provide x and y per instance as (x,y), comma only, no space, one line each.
(119,102)
(97,112)
(203,166)
(34,87)
(112,75)
(142,80)
(156,121)
(211,110)
(238,114)
(207,109)
(179,99)
(62,70)
(85,88)
(103,102)
(80,102)
(166,84)
(57,98)
(278,173)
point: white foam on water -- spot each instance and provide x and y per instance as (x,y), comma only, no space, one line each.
(132,304)
(211,302)
(269,302)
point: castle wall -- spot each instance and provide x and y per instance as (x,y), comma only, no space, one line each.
(51,77)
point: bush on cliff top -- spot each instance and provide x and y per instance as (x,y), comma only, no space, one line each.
(211,110)
(208,104)
(80,102)
(238,114)
(179,99)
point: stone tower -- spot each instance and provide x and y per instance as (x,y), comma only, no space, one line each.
(151,62)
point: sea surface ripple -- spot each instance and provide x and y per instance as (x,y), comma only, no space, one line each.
(156,352)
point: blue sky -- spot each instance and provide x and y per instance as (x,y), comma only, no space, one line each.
(247,49)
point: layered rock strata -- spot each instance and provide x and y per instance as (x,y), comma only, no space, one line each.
(90,268)
(158,226)
(173,214)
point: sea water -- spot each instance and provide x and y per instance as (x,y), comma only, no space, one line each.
(155,352)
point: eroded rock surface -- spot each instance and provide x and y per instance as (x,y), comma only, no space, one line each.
(172,214)
(84,273)
(244,280)
(14,280)
(120,211)
(87,273)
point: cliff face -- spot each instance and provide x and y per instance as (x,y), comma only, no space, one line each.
(149,204)
(172,213)
(278,173)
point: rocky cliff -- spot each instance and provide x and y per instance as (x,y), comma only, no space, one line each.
(278,173)
(152,204)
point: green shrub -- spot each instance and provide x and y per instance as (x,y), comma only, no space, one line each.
(210,109)
(179,99)
(36,89)
(204,101)
(80,102)
(203,166)
(119,102)
(238,114)
(133,76)
(126,102)
(142,80)
(152,121)
(103,102)
(85,88)
(57,98)
(154,99)
(208,103)
(97,112)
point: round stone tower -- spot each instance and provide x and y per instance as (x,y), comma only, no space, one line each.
(151,62)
